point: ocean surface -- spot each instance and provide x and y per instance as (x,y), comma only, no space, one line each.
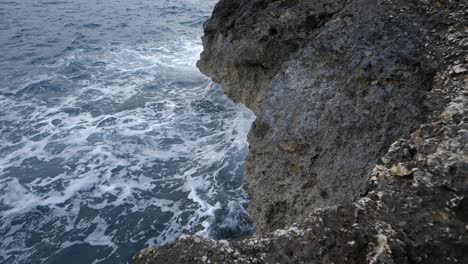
(110,138)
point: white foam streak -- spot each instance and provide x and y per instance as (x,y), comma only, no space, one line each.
(115,146)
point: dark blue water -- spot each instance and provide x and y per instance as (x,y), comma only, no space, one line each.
(110,138)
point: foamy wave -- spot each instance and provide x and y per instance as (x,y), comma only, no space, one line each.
(122,148)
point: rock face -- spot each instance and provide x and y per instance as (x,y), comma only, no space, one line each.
(356,86)
(333,87)
(359,151)
(246,42)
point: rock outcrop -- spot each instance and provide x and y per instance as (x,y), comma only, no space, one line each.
(246,42)
(359,151)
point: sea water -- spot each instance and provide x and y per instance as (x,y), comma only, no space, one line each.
(110,138)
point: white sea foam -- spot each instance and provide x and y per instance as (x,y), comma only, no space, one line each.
(141,149)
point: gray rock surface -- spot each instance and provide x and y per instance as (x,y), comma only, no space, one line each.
(246,42)
(359,151)
(329,105)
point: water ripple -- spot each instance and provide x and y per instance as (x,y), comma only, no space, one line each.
(110,138)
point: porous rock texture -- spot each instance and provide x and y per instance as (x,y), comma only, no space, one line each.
(246,42)
(359,151)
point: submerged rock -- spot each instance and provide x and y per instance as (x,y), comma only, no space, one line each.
(359,151)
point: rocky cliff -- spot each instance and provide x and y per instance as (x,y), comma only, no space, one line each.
(359,151)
